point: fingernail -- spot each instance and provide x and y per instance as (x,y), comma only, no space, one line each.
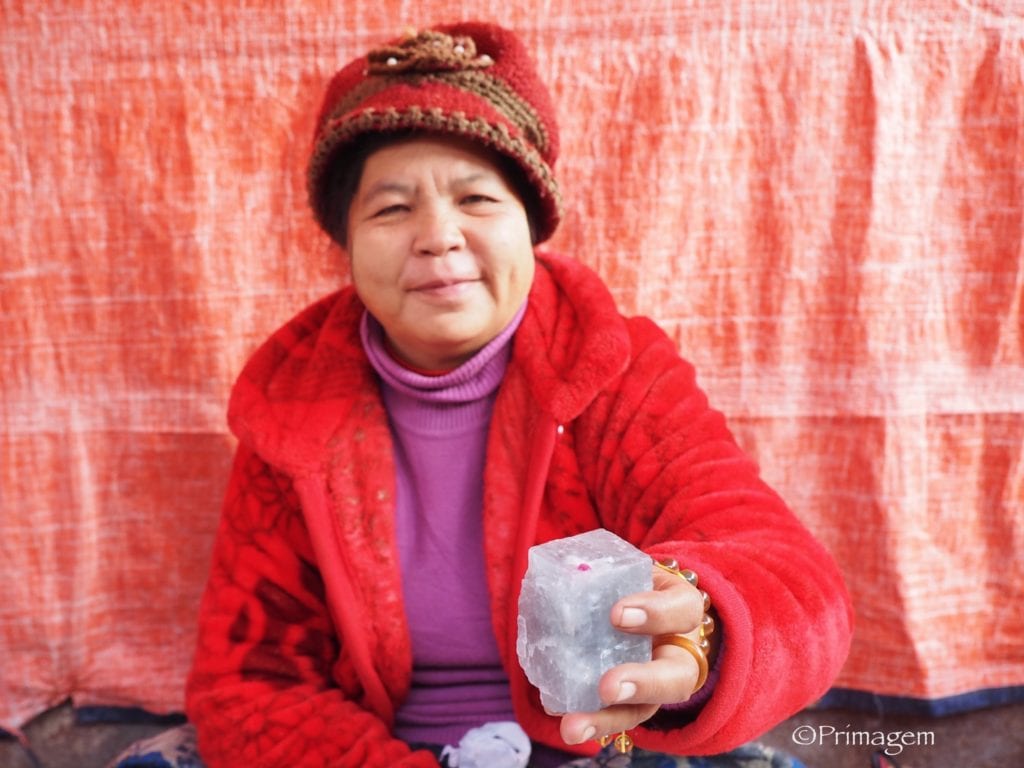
(632,617)
(588,733)
(627,690)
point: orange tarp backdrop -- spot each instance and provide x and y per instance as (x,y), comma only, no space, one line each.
(822,202)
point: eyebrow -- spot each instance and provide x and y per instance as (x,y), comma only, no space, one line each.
(471,178)
(385,186)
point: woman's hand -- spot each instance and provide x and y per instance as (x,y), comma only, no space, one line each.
(635,691)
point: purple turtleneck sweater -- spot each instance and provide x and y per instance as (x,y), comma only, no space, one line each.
(439,426)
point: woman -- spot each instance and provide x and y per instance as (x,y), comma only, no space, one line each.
(403,442)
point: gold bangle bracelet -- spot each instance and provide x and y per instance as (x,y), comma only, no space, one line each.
(682,641)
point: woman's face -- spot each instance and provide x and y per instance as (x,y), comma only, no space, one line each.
(440,248)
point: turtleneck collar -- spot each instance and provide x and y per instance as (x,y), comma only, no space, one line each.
(431,401)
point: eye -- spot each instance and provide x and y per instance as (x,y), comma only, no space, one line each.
(390,210)
(477,198)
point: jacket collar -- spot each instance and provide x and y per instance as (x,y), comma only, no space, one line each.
(312,374)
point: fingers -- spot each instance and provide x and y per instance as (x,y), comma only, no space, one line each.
(634,693)
(668,679)
(673,606)
(584,726)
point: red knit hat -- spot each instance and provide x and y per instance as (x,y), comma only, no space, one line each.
(472,79)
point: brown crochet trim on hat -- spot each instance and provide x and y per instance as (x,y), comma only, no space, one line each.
(481,84)
(436,120)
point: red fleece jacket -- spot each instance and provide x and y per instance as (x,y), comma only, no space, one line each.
(303,651)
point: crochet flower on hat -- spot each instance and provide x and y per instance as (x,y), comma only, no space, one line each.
(428,51)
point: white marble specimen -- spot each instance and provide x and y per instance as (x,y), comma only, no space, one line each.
(566,639)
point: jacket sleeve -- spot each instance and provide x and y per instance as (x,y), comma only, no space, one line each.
(667,475)
(263,691)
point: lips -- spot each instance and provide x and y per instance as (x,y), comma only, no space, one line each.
(440,284)
(432,283)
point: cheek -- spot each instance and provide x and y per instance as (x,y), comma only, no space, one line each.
(512,262)
(524,276)
(519,272)
(373,275)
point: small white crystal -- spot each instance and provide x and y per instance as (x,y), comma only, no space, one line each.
(566,638)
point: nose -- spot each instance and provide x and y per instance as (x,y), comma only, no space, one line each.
(437,231)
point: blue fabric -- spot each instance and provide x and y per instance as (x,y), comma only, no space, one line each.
(135,715)
(174,748)
(748,756)
(865,701)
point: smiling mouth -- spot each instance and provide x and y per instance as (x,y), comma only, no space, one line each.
(443,287)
